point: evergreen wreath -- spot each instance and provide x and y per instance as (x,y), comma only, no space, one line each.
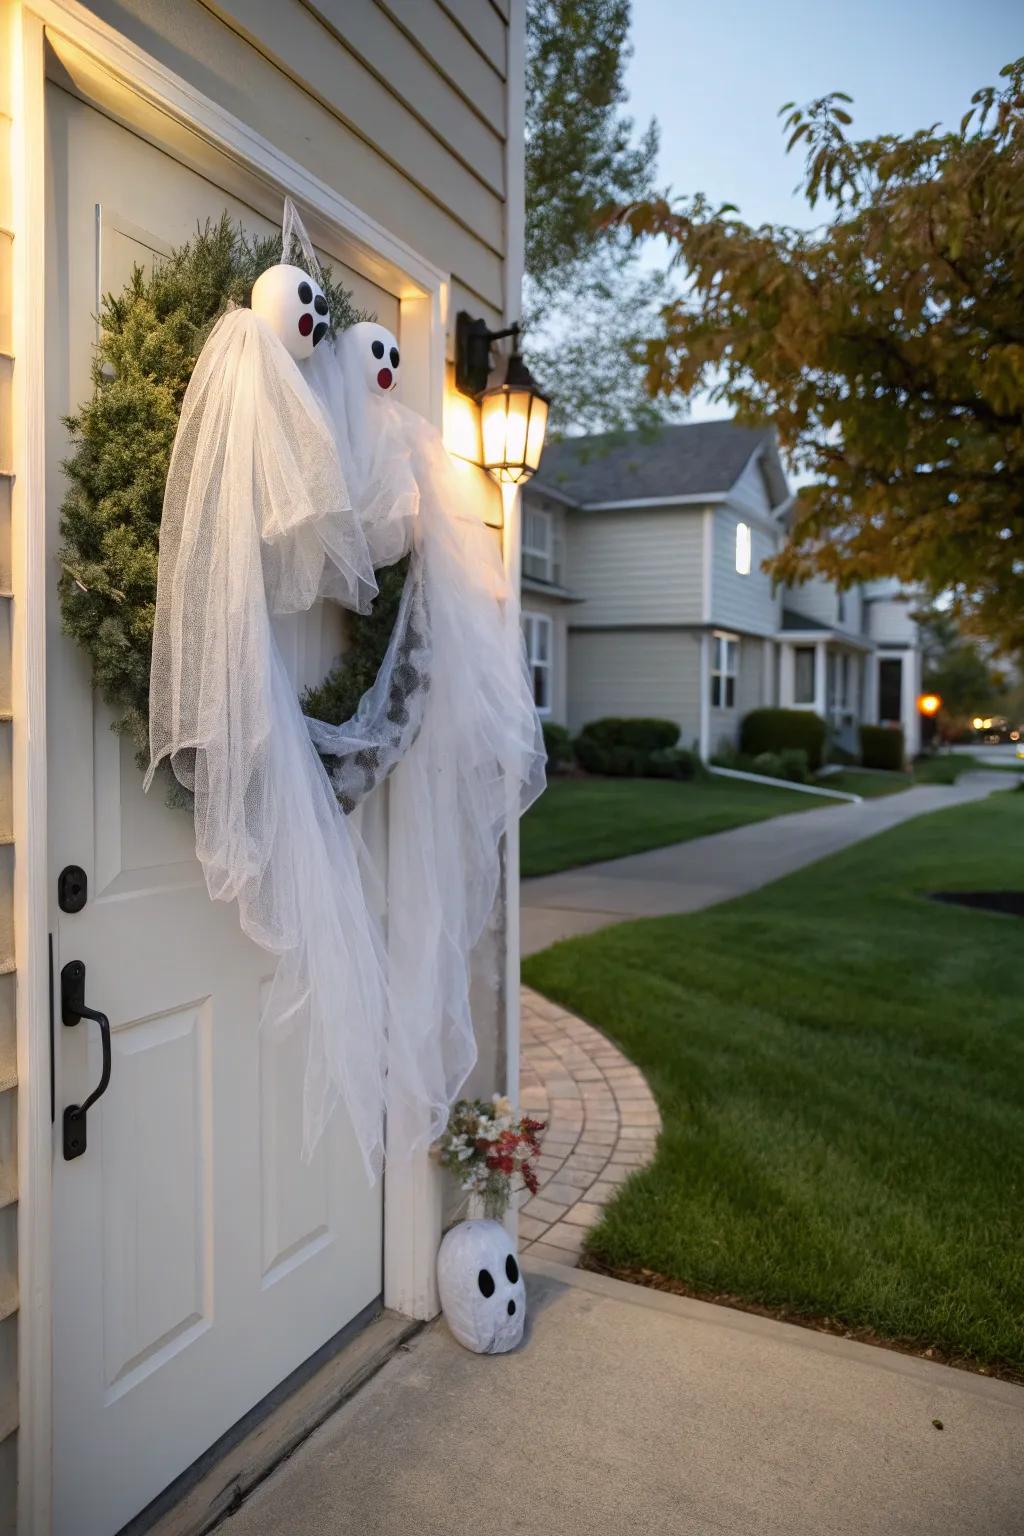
(150,338)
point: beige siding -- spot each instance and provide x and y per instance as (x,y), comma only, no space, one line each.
(889,622)
(348,91)
(8,1048)
(747,603)
(639,567)
(815,599)
(635,673)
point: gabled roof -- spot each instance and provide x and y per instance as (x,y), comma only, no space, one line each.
(689,459)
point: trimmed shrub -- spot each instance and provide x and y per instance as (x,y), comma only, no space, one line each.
(622,748)
(769,764)
(776,730)
(641,733)
(881,746)
(794,765)
(674,763)
(558,743)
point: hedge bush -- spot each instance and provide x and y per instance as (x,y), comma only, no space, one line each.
(777,730)
(558,744)
(882,746)
(622,747)
(674,763)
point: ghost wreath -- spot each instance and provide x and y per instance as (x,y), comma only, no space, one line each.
(150,337)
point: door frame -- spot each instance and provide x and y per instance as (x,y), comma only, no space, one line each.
(135,89)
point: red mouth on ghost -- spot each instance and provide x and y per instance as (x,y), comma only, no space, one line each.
(385,378)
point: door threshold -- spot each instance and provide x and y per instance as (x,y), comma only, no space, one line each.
(214,1486)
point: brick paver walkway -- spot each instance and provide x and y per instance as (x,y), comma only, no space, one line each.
(602,1125)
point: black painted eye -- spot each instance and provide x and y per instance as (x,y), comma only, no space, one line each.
(485,1280)
(320,304)
(511,1309)
(320,332)
(305,292)
(512,1269)
(377,348)
(394,357)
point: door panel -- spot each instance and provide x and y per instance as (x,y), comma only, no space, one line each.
(198,1260)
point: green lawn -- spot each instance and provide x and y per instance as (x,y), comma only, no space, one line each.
(868,785)
(579,821)
(840,1069)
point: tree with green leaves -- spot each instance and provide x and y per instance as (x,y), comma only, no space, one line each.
(886,346)
(590,304)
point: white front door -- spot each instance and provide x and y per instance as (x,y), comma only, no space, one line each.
(197,1261)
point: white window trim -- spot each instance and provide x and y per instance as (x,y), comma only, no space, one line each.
(531,623)
(728,671)
(545,554)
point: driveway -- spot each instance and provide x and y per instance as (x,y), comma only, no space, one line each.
(687,876)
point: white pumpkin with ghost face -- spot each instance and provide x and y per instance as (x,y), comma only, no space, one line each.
(482,1292)
(293,304)
(373,351)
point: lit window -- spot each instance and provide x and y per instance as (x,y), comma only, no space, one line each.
(537,634)
(538,544)
(724,658)
(743,548)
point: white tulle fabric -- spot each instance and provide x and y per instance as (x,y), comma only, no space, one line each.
(477,757)
(285,486)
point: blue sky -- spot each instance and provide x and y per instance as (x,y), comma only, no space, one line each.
(715,74)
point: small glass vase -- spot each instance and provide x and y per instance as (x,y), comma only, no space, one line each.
(490,1204)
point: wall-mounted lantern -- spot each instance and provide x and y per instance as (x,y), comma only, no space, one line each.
(513,415)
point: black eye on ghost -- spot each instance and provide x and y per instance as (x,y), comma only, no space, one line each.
(485,1280)
(306,324)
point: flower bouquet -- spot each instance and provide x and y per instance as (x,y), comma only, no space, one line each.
(486,1147)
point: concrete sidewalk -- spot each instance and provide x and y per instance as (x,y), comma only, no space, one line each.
(631,1411)
(687,876)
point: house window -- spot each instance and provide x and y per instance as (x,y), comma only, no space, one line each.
(538,544)
(743,548)
(724,658)
(803,674)
(841,607)
(890,690)
(537,634)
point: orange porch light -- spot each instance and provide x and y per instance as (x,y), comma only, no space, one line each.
(929,704)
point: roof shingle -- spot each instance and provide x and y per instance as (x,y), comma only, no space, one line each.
(687,459)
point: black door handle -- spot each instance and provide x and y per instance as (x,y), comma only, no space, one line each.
(72,1008)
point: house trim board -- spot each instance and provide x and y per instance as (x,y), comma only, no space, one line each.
(156,102)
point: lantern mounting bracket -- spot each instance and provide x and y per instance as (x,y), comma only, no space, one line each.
(473,341)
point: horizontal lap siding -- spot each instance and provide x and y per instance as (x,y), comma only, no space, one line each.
(636,567)
(347,91)
(635,673)
(746,603)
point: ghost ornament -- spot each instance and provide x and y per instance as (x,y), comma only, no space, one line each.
(373,351)
(293,304)
(482,1292)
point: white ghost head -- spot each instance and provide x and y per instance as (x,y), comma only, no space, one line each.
(482,1290)
(374,352)
(292,303)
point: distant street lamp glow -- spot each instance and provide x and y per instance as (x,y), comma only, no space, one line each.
(929,704)
(977,722)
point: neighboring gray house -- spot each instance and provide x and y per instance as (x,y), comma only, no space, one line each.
(643,593)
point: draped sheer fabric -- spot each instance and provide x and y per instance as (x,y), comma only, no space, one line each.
(477,756)
(256,520)
(286,485)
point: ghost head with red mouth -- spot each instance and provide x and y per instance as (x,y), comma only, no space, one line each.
(293,304)
(375,352)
